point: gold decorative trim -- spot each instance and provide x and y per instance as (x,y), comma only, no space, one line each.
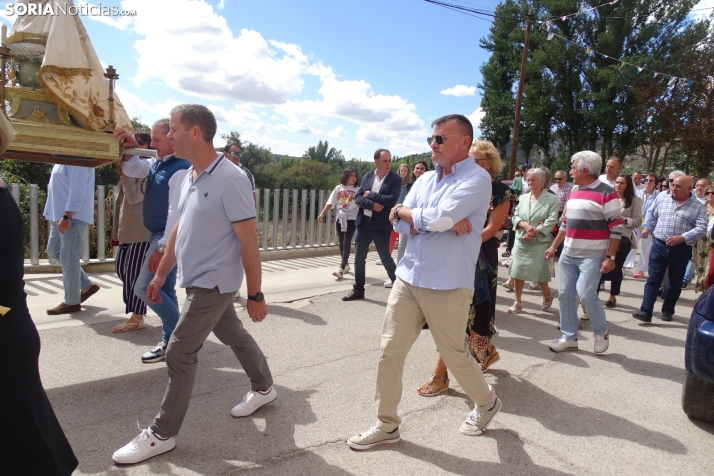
(22,36)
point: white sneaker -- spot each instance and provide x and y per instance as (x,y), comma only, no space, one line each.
(347,269)
(146,445)
(378,262)
(339,273)
(564,344)
(602,342)
(388,284)
(252,401)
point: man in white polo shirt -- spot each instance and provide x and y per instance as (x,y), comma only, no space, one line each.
(213,240)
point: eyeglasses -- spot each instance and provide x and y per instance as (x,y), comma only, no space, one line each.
(480,160)
(559,179)
(236,154)
(709,193)
(439,139)
(650,180)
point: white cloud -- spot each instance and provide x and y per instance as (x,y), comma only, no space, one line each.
(191,49)
(459,91)
(475,117)
(700,14)
(132,104)
(409,146)
(221,5)
(338,132)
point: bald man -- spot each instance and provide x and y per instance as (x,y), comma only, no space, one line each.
(676,223)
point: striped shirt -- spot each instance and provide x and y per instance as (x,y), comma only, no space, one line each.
(592,218)
(562,193)
(670,219)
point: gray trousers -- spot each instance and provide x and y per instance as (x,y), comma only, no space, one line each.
(205,310)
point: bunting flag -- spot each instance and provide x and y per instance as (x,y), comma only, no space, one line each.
(708,83)
(579,12)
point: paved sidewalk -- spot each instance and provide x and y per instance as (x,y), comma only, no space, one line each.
(572,413)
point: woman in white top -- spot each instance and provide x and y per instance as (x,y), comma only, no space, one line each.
(343,199)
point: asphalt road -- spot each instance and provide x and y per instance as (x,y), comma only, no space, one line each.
(571,413)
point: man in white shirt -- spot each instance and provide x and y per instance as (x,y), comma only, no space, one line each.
(612,170)
(699,189)
(637,181)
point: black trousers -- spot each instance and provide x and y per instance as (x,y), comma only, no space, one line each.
(484,313)
(344,238)
(615,276)
(365,236)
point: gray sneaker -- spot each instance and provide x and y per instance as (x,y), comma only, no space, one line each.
(156,354)
(477,422)
(373,437)
(564,344)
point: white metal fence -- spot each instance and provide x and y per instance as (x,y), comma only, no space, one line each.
(287,219)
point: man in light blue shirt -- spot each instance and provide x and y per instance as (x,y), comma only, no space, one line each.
(70,209)
(444,214)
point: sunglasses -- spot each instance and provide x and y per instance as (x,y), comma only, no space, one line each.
(709,193)
(439,139)
(235,154)
(650,180)
(559,179)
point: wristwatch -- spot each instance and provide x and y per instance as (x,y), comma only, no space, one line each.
(257,298)
(610,257)
(162,249)
(66,217)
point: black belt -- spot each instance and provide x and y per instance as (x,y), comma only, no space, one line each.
(665,243)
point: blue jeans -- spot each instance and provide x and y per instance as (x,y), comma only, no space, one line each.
(689,273)
(662,256)
(167,309)
(579,277)
(365,236)
(67,249)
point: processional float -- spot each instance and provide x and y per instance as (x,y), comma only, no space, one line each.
(62,103)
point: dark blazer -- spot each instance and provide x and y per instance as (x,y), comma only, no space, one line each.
(388,195)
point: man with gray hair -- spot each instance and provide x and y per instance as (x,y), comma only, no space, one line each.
(612,170)
(162,189)
(677,221)
(591,229)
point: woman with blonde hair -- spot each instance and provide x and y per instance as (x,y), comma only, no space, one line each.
(482,313)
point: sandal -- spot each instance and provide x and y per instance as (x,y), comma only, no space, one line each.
(516,308)
(610,303)
(547,301)
(430,389)
(129,325)
(489,357)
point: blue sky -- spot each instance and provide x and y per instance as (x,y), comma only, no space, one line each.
(285,74)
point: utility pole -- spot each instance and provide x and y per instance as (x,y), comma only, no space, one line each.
(519,96)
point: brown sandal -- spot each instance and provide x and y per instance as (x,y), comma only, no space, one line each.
(431,390)
(489,357)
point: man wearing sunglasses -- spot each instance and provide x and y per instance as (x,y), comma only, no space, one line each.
(443,214)
(234,153)
(378,193)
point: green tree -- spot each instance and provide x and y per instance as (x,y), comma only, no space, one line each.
(232,137)
(322,152)
(139,126)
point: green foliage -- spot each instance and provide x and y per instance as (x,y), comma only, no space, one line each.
(231,137)
(322,152)
(26,172)
(139,126)
(307,174)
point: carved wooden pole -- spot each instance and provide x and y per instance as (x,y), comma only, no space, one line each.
(112,76)
(5,55)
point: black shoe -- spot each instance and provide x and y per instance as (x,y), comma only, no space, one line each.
(641,316)
(506,254)
(353,295)
(666,317)
(610,304)
(684,285)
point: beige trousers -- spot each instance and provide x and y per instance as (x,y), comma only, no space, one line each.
(447,313)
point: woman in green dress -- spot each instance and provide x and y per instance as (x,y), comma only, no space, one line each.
(533,220)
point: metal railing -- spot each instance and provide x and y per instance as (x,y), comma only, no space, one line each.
(285,221)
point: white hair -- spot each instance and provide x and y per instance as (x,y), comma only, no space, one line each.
(538,174)
(675,174)
(587,159)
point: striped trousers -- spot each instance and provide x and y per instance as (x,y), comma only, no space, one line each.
(128,263)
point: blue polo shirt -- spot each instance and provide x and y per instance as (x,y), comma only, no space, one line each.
(207,248)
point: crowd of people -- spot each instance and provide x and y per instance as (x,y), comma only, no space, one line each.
(189,216)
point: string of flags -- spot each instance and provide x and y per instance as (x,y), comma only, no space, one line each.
(548,22)
(588,50)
